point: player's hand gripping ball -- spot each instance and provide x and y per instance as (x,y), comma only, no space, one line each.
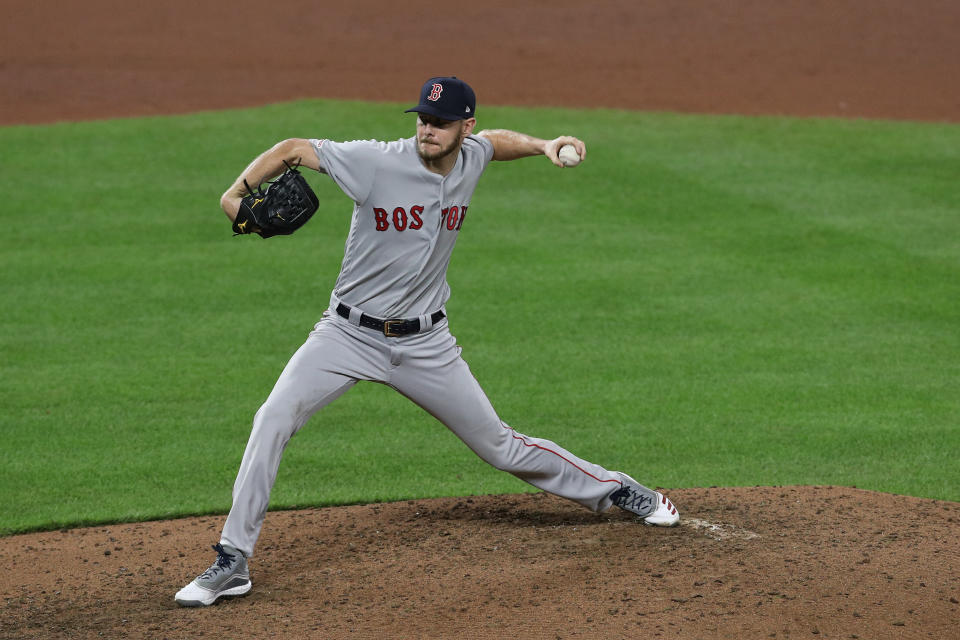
(568,155)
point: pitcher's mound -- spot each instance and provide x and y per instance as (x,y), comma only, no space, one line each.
(765,562)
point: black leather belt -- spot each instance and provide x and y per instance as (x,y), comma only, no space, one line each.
(391,327)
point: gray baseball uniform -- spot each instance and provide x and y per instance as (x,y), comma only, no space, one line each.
(405,223)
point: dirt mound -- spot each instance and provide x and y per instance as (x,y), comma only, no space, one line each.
(762,562)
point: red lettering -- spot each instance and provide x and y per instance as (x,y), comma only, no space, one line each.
(452,217)
(463,216)
(415,212)
(400,218)
(381,216)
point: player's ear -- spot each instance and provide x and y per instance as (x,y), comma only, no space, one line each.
(468,126)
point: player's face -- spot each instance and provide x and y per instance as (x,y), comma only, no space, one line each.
(438,138)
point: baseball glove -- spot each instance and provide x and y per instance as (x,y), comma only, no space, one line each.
(283,208)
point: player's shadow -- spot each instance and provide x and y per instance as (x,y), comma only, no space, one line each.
(534,510)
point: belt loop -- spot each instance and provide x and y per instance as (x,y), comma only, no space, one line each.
(355,313)
(426,322)
(354,318)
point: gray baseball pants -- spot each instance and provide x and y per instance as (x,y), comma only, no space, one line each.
(426,368)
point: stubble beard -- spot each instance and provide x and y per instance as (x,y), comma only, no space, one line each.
(443,152)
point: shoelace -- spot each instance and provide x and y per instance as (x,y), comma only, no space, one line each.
(627,498)
(224,561)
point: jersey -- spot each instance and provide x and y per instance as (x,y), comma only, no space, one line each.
(405,222)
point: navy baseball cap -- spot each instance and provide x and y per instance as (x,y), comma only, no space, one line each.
(446,98)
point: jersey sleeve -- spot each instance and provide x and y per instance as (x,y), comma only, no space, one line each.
(477,152)
(486,148)
(352,165)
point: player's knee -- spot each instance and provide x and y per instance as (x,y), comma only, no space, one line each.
(274,421)
(499,452)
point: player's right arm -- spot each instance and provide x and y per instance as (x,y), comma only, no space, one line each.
(511,145)
(266,166)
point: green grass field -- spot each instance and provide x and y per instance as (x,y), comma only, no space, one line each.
(706,301)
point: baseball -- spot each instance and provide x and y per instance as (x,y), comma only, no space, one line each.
(569,156)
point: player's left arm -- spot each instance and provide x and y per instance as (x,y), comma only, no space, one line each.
(511,145)
(269,164)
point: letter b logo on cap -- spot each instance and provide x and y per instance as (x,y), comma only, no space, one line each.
(435,92)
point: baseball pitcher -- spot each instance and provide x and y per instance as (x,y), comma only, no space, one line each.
(387,320)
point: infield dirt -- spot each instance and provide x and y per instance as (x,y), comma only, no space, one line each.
(763,562)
